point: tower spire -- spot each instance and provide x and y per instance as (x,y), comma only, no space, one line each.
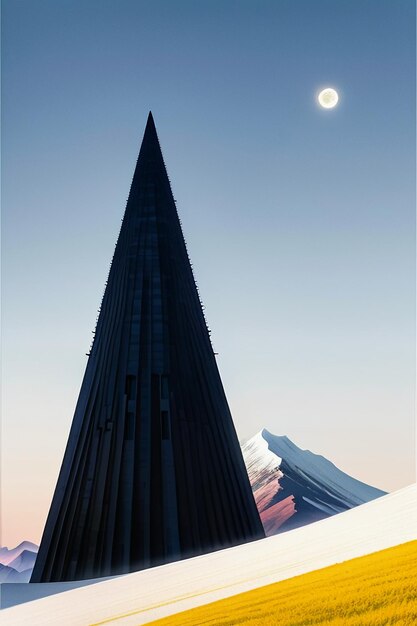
(150,137)
(153,470)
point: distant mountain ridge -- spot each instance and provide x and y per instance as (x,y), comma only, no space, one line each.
(294,487)
(16,564)
(25,560)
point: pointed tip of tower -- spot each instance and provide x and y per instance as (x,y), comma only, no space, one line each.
(150,119)
(150,142)
(150,125)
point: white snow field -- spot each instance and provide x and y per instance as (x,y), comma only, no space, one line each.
(142,597)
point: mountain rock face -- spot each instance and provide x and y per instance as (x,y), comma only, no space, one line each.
(294,487)
(16,564)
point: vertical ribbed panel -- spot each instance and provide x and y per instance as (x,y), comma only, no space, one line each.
(153,470)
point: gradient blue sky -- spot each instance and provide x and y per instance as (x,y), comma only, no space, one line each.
(300,222)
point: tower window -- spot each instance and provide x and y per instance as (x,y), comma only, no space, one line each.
(130,387)
(164,388)
(165,426)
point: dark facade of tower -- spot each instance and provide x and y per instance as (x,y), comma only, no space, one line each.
(153,470)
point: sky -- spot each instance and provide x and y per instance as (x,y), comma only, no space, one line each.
(299,221)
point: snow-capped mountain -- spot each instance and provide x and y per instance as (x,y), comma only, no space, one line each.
(294,487)
(16,564)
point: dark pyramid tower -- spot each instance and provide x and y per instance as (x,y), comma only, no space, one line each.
(153,470)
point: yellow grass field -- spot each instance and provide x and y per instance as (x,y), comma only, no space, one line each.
(373,590)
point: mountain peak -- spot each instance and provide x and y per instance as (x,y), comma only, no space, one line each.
(289,482)
(266,434)
(27,545)
(280,440)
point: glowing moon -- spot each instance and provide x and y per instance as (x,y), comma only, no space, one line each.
(328,98)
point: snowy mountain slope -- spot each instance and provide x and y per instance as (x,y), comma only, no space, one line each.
(141,597)
(294,487)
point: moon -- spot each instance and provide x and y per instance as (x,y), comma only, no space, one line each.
(328,98)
